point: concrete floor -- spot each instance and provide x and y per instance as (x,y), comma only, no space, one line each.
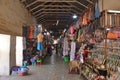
(53,69)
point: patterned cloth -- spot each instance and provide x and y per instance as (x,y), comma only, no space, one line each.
(73,50)
(31,32)
(97,11)
(39,46)
(65,47)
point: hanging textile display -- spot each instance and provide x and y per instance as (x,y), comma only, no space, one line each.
(39,42)
(81,20)
(88,16)
(97,11)
(80,31)
(79,34)
(92,17)
(65,47)
(84,22)
(35,32)
(73,50)
(31,32)
(77,24)
(71,30)
(39,29)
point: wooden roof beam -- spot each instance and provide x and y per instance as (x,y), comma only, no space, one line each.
(36,7)
(59,10)
(82,4)
(55,20)
(55,9)
(52,6)
(89,1)
(57,0)
(53,13)
(31,4)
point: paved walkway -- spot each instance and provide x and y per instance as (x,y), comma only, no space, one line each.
(53,69)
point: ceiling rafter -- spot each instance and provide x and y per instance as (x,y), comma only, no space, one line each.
(57,0)
(55,6)
(41,20)
(54,9)
(89,1)
(36,7)
(55,20)
(31,4)
(53,13)
(63,1)
(59,10)
(82,4)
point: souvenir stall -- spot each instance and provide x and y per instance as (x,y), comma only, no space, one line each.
(98,53)
(34,43)
(101,35)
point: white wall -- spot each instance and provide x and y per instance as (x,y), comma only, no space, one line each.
(4,54)
(19,51)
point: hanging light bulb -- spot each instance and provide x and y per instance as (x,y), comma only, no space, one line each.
(74,16)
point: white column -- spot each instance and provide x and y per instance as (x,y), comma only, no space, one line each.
(19,51)
(4,54)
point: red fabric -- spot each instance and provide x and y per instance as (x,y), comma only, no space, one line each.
(85,54)
(88,16)
(31,32)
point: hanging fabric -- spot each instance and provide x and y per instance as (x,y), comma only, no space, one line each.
(97,10)
(31,32)
(90,13)
(81,20)
(39,29)
(35,32)
(80,32)
(39,41)
(84,19)
(65,47)
(72,52)
(77,23)
(71,30)
(92,17)
(88,16)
